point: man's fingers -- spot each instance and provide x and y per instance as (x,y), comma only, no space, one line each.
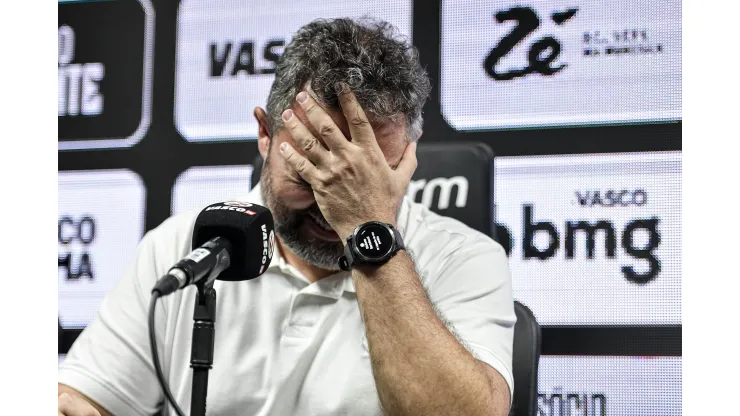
(359,125)
(314,150)
(300,164)
(322,123)
(407,165)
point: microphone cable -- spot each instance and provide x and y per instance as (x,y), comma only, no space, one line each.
(155,355)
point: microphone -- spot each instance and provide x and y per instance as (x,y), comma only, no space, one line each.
(232,241)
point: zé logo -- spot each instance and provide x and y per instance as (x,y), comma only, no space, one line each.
(542,53)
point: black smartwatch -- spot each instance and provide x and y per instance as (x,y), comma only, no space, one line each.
(373,242)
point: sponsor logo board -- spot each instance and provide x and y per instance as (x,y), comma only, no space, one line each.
(104,100)
(101,221)
(509,64)
(593,239)
(226,55)
(605,386)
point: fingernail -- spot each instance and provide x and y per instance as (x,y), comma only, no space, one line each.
(287,115)
(302,97)
(283,146)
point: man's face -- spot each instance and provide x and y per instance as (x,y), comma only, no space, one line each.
(299,223)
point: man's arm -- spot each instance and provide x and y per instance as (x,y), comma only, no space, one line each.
(418,364)
(74,403)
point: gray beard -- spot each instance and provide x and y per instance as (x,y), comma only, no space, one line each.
(318,253)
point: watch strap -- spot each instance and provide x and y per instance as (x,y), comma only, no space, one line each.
(399,240)
(347,260)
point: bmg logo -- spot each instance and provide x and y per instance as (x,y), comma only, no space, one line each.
(542,53)
(639,238)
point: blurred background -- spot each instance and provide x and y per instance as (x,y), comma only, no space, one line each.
(578,102)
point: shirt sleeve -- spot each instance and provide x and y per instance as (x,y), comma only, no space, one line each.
(472,293)
(111,360)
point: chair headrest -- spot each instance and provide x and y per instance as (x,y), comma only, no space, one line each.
(456,180)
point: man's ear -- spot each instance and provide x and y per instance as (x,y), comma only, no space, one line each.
(263,132)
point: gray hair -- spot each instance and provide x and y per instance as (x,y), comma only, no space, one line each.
(380,67)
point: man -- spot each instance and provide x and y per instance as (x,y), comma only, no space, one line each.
(427,330)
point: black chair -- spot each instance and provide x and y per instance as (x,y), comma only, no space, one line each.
(526,358)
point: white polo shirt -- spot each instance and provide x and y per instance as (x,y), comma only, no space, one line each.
(283,346)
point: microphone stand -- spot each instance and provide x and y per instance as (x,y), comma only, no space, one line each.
(201,350)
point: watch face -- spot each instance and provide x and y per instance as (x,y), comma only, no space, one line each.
(374,241)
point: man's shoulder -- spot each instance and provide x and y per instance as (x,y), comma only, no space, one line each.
(434,239)
(173,237)
(180,223)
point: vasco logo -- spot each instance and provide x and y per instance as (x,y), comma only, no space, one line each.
(611,198)
(226,60)
(542,53)
(267,246)
(230,208)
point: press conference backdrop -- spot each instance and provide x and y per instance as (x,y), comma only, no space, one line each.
(580,101)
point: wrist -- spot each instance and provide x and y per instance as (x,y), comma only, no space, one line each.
(377,271)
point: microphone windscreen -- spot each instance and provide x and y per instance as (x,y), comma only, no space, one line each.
(250,230)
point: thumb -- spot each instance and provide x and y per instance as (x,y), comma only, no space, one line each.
(408,163)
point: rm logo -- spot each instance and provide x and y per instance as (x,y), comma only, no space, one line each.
(445,186)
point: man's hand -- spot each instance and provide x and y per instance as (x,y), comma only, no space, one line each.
(74,405)
(351,180)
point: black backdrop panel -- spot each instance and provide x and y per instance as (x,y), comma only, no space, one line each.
(104,73)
